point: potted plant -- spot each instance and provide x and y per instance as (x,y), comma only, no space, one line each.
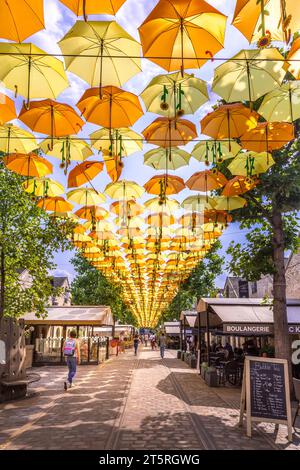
(204,367)
(179,354)
(193,361)
(211,377)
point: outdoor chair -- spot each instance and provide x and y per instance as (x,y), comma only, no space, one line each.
(297,394)
(232,372)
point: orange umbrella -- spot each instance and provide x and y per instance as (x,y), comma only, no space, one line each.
(84,173)
(217,217)
(28,165)
(160,220)
(7,109)
(93,213)
(239,185)
(55,204)
(167,133)
(207,180)
(21,18)
(110,107)
(182,34)
(129,232)
(114,167)
(126,208)
(191,220)
(163,185)
(51,118)
(229,121)
(93,7)
(268,136)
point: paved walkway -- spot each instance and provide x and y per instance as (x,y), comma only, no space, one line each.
(132,403)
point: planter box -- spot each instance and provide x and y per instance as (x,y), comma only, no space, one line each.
(193,362)
(179,354)
(211,378)
(183,355)
(203,372)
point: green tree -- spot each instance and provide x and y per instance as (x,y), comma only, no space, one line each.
(28,239)
(200,283)
(90,287)
(271,217)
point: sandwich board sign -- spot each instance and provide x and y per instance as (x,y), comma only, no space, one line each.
(266,393)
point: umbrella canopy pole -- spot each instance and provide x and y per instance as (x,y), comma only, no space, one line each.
(84,11)
(262,8)
(8,140)
(182,46)
(228,124)
(26,105)
(101,67)
(249,84)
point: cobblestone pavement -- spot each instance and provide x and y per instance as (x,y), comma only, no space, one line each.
(132,403)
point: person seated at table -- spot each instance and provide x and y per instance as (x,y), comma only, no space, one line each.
(238,354)
(229,350)
(219,347)
(213,346)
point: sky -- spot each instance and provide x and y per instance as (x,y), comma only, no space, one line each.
(131,15)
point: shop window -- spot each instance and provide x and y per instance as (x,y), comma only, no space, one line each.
(254,287)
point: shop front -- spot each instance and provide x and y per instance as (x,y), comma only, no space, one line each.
(48,334)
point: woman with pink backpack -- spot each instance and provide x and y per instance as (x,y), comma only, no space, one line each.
(72,354)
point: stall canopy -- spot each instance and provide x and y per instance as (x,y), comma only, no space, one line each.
(94,316)
(172,328)
(242,316)
(190,316)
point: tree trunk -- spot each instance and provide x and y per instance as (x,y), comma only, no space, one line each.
(2,282)
(281,331)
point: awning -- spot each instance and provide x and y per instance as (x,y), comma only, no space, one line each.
(75,316)
(190,317)
(245,316)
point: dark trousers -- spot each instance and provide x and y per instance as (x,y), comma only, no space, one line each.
(72,365)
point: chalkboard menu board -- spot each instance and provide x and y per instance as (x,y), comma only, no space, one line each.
(267,390)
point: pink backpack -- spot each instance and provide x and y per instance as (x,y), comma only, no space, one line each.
(70,346)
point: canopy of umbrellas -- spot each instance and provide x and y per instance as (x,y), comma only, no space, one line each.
(145,247)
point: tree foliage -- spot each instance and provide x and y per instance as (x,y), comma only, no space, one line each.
(28,239)
(200,283)
(90,287)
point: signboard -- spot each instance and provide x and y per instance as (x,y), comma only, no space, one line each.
(266,392)
(252,329)
(294,329)
(243,289)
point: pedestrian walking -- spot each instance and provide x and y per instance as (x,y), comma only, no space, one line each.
(136,342)
(153,342)
(72,354)
(146,340)
(162,345)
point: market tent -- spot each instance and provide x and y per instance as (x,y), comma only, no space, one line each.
(94,316)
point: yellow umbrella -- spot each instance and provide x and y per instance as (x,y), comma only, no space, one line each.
(21,18)
(121,142)
(29,71)
(215,151)
(230,203)
(156,205)
(198,203)
(86,196)
(124,190)
(15,139)
(249,75)
(173,95)
(282,104)
(67,149)
(43,187)
(166,158)
(251,163)
(101,53)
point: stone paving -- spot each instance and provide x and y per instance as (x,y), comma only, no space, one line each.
(132,403)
